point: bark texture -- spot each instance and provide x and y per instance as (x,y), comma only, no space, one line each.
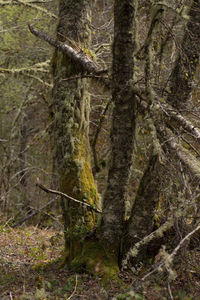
(123,127)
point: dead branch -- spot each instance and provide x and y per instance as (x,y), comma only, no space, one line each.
(79,57)
(98,130)
(74,291)
(133,252)
(85,76)
(189,160)
(187,125)
(88,206)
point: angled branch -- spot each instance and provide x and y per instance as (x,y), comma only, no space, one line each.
(169,258)
(88,206)
(80,57)
(187,125)
(189,160)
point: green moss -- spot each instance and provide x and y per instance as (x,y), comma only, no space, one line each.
(95,259)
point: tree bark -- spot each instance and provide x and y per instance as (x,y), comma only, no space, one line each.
(123,126)
(69,109)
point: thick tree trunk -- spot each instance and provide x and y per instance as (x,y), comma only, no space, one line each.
(123,127)
(69,110)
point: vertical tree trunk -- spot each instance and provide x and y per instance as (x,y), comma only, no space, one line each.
(70,109)
(123,127)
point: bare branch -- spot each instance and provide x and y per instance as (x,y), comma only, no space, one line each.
(88,206)
(96,135)
(80,57)
(187,125)
(185,157)
(41,67)
(169,258)
(35,212)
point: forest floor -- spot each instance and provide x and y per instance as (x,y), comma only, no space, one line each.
(29,269)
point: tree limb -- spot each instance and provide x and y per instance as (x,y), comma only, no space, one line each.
(187,125)
(189,160)
(80,57)
(169,259)
(88,206)
(35,212)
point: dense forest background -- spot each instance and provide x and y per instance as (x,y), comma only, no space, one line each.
(99,104)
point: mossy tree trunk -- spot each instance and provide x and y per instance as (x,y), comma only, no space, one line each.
(70,110)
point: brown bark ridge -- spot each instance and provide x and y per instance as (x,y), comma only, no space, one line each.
(123,126)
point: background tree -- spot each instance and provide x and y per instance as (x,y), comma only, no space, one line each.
(25,83)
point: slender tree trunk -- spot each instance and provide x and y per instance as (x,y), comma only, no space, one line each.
(123,127)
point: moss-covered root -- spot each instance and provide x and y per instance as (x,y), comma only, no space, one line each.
(94,259)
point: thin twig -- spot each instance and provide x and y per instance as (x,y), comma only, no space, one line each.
(170,291)
(85,76)
(74,291)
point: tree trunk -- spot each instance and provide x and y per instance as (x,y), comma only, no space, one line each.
(69,110)
(123,126)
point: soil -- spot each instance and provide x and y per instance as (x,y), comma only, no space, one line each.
(30,268)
